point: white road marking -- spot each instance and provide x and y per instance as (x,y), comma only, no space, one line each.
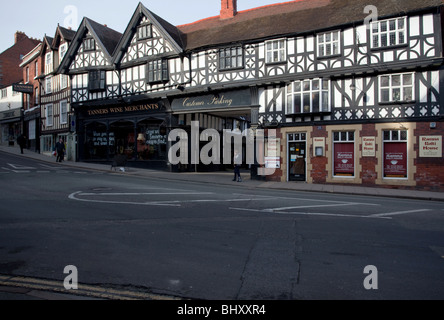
(19,167)
(314,206)
(311,213)
(398,213)
(144,194)
(73,197)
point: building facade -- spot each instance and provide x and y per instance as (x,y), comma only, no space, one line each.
(11,75)
(31,67)
(55,98)
(354,98)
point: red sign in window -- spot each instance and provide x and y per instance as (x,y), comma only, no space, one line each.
(344,159)
(395,160)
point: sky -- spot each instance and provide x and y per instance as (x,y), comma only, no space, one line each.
(37,18)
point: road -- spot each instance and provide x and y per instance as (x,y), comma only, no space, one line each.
(215,242)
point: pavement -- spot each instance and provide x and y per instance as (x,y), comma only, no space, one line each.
(225,178)
(10,290)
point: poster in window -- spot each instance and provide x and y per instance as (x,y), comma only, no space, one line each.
(395,160)
(344,159)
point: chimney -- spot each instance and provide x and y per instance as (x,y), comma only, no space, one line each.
(19,36)
(228,9)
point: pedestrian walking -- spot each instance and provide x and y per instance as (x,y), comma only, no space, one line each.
(21,140)
(60,149)
(237,166)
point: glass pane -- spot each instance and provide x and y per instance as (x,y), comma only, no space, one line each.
(336,36)
(297,103)
(325,84)
(396,81)
(396,94)
(343,136)
(324,101)
(303,137)
(375,27)
(385,81)
(385,95)
(408,95)
(351,136)
(275,45)
(240,61)
(290,88)
(297,86)
(316,102)
(392,25)
(401,23)
(328,37)
(375,41)
(321,38)
(401,38)
(386,135)
(407,78)
(290,137)
(321,50)
(383,26)
(384,40)
(404,135)
(306,85)
(315,85)
(269,46)
(336,136)
(297,137)
(328,49)
(289,104)
(395,135)
(393,38)
(307,103)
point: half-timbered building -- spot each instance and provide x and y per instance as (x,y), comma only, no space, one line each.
(353,90)
(55,97)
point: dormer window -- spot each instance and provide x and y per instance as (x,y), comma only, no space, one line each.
(144,32)
(89,44)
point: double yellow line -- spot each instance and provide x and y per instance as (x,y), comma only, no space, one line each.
(83,290)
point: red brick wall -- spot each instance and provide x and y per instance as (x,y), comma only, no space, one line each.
(368,173)
(319,164)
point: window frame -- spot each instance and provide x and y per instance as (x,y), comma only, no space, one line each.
(344,137)
(392,139)
(226,55)
(324,43)
(271,52)
(149,31)
(49,116)
(392,87)
(379,33)
(89,44)
(96,80)
(157,71)
(48,85)
(324,90)
(63,114)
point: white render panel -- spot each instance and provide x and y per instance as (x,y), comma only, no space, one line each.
(300,45)
(349,37)
(414,26)
(428,27)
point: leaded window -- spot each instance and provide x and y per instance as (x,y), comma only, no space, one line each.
(231,58)
(388,33)
(157,71)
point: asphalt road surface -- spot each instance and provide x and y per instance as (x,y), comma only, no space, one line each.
(215,242)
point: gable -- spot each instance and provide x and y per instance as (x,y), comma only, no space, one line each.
(147,37)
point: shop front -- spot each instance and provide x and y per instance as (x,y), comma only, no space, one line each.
(11,127)
(138,131)
(32,128)
(219,111)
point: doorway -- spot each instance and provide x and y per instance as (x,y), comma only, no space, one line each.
(297,157)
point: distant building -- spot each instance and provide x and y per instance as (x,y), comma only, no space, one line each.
(11,103)
(55,95)
(31,66)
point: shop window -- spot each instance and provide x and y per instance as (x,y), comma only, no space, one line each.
(47,143)
(96,80)
(344,154)
(388,33)
(396,87)
(157,71)
(97,142)
(151,141)
(231,58)
(329,44)
(275,51)
(395,154)
(308,96)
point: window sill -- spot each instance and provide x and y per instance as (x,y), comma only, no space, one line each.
(391,103)
(398,46)
(333,56)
